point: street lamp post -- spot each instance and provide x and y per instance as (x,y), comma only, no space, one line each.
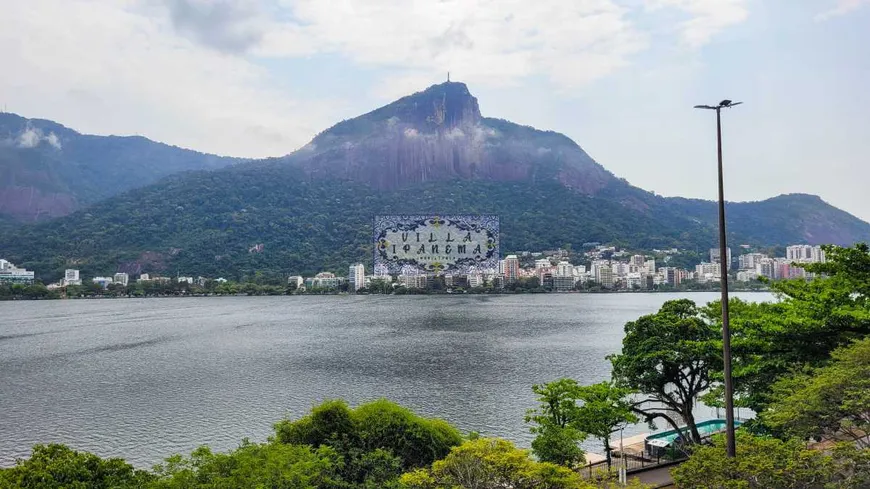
(723,268)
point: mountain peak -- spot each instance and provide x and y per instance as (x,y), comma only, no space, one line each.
(445,105)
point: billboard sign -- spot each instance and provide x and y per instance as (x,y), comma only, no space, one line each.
(435,244)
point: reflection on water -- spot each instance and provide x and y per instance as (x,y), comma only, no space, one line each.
(147,378)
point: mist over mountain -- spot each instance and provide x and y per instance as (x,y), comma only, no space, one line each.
(430,152)
(48,170)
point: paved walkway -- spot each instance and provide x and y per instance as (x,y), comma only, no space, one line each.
(660,477)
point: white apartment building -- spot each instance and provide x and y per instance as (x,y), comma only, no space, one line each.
(475,280)
(750,260)
(296,280)
(620,269)
(564,269)
(604,277)
(746,275)
(542,263)
(124,279)
(413,281)
(706,272)
(650,266)
(804,254)
(9,273)
(357,277)
(638,261)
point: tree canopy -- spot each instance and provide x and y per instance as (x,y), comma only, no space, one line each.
(668,356)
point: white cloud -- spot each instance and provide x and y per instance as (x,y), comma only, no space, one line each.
(479,41)
(31,137)
(706,17)
(115,67)
(197,73)
(841,7)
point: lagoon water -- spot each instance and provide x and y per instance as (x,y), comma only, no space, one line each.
(146,378)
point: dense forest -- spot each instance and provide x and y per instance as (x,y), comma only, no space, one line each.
(211,223)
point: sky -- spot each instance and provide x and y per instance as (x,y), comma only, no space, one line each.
(256,78)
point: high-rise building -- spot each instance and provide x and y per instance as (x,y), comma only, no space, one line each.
(706,272)
(71,277)
(357,277)
(714,255)
(804,254)
(749,261)
(604,277)
(650,266)
(671,276)
(638,260)
(542,263)
(511,268)
(564,269)
(123,278)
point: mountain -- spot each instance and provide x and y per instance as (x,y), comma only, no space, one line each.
(438,134)
(48,170)
(431,152)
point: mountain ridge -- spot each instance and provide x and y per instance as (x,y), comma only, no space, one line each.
(48,170)
(432,151)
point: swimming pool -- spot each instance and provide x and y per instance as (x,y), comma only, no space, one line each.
(705,428)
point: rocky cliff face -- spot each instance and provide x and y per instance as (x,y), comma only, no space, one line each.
(439,134)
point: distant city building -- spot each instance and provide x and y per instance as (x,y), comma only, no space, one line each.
(565,269)
(357,277)
(144,277)
(714,255)
(706,272)
(121,278)
(672,276)
(747,275)
(475,280)
(620,269)
(804,254)
(650,266)
(638,261)
(542,263)
(184,280)
(295,280)
(604,277)
(511,268)
(323,280)
(749,261)
(71,277)
(103,281)
(10,274)
(413,281)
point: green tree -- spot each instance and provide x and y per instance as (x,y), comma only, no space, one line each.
(378,434)
(769,463)
(490,463)
(827,401)
(557,440)
(668,356)
(58,466)
(811,320)
(605,410)
(251,465)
